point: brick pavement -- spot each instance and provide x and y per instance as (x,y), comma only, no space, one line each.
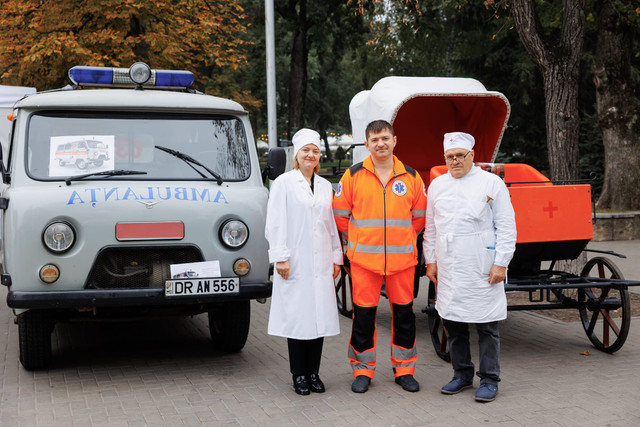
(164,373)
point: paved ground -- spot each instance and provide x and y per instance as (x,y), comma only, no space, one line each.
(163,373)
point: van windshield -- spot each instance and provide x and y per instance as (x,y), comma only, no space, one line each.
(68,144)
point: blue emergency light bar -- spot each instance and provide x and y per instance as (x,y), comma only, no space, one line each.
(138,74)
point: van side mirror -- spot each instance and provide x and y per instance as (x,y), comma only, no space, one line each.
(276,163)
(3,171)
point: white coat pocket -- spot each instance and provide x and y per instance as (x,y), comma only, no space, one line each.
(489,259)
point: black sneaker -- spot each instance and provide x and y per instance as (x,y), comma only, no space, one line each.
(486,392)
(360,384)
(408,383)
(456,385)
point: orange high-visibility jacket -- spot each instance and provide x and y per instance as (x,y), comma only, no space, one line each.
(381,222)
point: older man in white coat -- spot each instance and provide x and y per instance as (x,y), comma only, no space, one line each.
(469,241)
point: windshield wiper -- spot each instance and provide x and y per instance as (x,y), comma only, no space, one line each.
(191,161)
(104,173)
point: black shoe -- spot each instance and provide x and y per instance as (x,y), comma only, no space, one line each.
(408,383)
(360,384)
(301,385)
(315,384)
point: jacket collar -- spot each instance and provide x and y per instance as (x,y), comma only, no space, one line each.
(398,166)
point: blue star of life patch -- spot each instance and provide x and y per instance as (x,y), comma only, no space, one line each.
(399,188)
(339,189)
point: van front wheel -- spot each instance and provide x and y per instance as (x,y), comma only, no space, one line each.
(34,333)
(229,325)
(81,164)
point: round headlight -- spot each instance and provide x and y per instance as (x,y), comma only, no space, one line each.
(58,237)
(234,233)
(140,73)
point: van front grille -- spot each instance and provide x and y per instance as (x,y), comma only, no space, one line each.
(138,267)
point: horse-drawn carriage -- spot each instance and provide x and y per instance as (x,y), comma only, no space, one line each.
(553,219)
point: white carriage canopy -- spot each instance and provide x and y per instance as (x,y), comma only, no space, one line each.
(423,109)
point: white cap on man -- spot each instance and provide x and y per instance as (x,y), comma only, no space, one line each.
(458,140)
(303,137)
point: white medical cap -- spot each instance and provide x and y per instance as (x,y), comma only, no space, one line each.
(303,137)
(458,140)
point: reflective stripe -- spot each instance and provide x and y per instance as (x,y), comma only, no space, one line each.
(404,365)
(403,353)
(399,249)
(364,357)
(341,212)
(360,366)
(379,222)
(419,212)
(379,249)
(370,249)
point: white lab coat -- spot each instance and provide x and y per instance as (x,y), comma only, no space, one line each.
(470,226)
(300,228)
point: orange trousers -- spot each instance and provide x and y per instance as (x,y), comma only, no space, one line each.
(366,295)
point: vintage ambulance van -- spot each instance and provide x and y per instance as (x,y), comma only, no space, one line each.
(167,217)
(82,153)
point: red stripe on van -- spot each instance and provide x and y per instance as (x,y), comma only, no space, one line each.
(149,230)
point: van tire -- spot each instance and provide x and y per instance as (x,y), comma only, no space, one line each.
(98,163)
(34,332)
(81,164)
(229,325)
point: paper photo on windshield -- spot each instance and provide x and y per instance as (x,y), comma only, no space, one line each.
(80,154)
(192,270)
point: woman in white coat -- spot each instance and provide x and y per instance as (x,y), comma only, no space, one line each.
(305,247)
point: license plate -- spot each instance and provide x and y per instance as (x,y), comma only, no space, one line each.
(202,286)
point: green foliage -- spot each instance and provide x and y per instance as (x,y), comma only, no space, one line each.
(351,45)
(469,39)
(339,64)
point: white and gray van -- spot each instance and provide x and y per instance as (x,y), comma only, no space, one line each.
(175,187)
(82,153)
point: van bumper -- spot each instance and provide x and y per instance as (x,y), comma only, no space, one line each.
(127,297)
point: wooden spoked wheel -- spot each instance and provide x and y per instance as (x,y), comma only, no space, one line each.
(605,312)
(436,328)
(343,291)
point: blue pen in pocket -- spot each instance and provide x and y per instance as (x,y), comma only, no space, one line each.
(490,247)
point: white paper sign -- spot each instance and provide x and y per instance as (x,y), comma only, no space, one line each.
(80,154)
(195,269)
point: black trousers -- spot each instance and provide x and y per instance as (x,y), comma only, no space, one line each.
(460,350)
(304,356)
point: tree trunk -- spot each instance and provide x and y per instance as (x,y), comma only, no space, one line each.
(563,124)
(618,112)
(137,29)
(558,59)
(298,74)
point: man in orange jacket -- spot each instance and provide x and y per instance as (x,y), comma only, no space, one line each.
(381,203)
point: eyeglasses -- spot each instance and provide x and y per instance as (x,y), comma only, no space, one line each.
(458,157)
